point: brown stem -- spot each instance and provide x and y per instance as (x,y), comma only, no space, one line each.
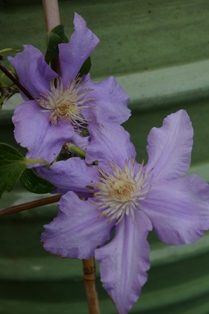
(89,277)
(15,81)
(30,205)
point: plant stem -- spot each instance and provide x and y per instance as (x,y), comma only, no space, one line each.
(15,81)
(10,50)
(89,277)
(30,205)
(76,150)
(29,161)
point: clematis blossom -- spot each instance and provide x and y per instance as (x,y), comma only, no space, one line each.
(64,105)
(127,199)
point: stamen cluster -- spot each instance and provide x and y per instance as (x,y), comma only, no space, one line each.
(66,103)
(121,191)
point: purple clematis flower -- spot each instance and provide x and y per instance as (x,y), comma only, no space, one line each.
(129,200)
(63,105)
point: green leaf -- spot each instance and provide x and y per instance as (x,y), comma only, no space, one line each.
(85,67)
(12,165)
(33,183)
(54,38)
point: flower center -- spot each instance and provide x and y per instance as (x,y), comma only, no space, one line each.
(66,103)
(121,191)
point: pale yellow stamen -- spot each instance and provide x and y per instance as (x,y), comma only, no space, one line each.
(121,191)
(66,103)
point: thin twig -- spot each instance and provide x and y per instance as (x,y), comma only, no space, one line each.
(15,81)
(89,277)
(30,205)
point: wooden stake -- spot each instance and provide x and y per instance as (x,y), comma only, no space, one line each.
(51,13)
(89,278)
(52,18)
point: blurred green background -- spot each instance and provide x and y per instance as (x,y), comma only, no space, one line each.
(159,52)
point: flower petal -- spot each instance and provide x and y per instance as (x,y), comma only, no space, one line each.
(70,175)
(125,261)
(109,143)
(169,147)
(73,54)
(77,230)
(109,101)
(34,131)
(179,209)
(33,71)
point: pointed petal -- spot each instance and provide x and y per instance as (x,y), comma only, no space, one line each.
(179,209)
(77,230)
(33,71)
(73,54)
(71,175)
(109,101)
(109,143)
(169,147)
(125,261)
(34,131)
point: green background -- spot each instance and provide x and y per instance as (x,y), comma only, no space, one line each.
(159,52)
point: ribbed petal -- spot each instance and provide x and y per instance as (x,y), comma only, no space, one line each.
(34,131)
(73,54)
(71,175)
(80,141)
(109,101)
(179,209)
(77,230)
(109,143)
(33,71)
(125,261)
(169,147)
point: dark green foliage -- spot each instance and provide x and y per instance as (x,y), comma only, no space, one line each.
(33,183)
(54,38)
(12,165)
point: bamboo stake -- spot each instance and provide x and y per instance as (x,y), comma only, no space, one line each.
(52,18)
(51,13)
(89,277)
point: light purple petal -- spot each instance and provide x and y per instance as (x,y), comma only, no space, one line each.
(109,143)
(169,147)
(125,261)
(109,101)
(80,141)
(33,71)
(71,175)
(179,209)
(73,54)
(34,131)
(77,230)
